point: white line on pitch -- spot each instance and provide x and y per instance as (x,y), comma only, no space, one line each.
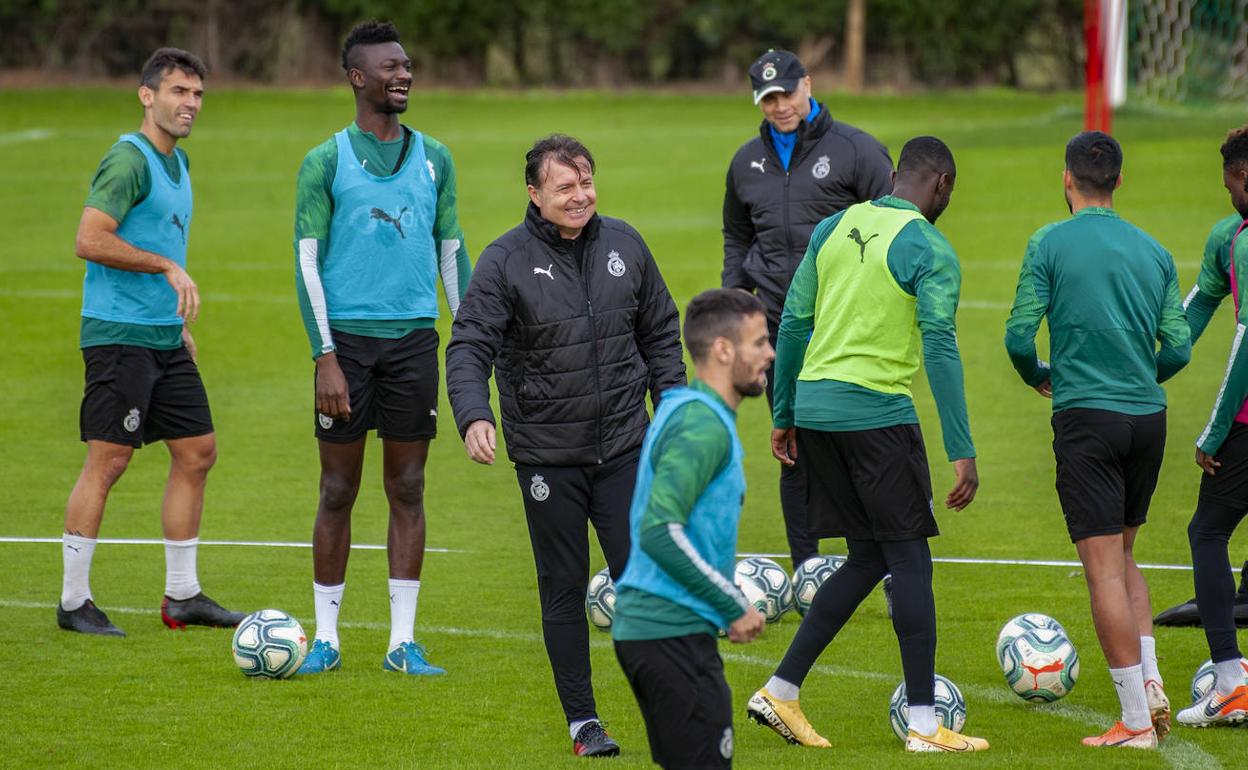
(250,543)
(29,135)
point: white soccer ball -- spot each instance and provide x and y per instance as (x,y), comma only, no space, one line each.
(766,585)
(1041,665)
(950,707)
(269,644)
(809,576)
(1206,676)
(600,600)
(1020,624)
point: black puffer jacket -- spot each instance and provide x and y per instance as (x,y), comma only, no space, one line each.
(769,213)
(575,344)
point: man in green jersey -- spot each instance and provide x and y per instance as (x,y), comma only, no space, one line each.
(1110,292)
(1222,453)
(142,384)
(677,593)
(375,226)
(876,278)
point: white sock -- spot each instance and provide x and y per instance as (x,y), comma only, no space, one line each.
(1148,659)
(328,601)
(403,595)
(76,553)
(782,689)
(1129,682)
(181,578)
(1230,675)
(575,727)
(923,720)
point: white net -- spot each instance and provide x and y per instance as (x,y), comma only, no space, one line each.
(1189,50)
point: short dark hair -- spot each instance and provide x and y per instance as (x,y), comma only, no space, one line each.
(1235,148)
(561,148)
(717,313)
(926,153)
(1094,159)
(368,33)
(165,60)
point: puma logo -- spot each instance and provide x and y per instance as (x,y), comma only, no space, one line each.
(181,227)
(377,213)
(758,164)
(546,271)
(1053,668)
(73,548)
(334,603)
(856,237)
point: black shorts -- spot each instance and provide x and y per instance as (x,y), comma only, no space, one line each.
(868,484)
(393,386)
(1229,486)
(135,396)
(685,701)
(1107,466)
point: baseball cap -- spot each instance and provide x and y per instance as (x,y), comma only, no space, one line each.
(775,71)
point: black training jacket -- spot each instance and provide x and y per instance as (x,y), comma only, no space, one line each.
(769,214)
(575,344)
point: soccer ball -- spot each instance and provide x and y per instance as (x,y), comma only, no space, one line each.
(1020,624)
(269,644)
(765,585)
(1041,665)
(950,707)
(600,600)
(809,576)
(1205,677)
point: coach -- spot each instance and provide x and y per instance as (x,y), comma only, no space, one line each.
(569,310)
(802,167)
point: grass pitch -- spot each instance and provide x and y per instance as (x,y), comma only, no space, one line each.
(159,698)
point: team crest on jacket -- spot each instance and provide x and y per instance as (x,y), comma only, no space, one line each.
(725,744)
(325,420)
(769,71)
(131,421)
(822,166)
(539,489)
(615,265)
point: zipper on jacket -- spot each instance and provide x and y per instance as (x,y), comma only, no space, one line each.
(593,337)
(788,232)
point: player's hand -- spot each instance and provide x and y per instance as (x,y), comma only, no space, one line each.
(1206,462)
(189,342)
(784,445)
(188,292)
(1045,389)
(332,398)
(479,440)
(746,627)
(965,486)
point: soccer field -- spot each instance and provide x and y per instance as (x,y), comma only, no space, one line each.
(166,698)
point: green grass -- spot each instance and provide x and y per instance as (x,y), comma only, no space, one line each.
(160,698)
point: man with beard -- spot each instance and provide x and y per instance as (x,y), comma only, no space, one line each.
(1110,292)
(877,276)
(803,166)
(142,382)
(570,312)
(677,593)
(375,224)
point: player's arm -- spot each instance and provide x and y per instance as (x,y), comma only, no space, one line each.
(692,450)
(122,182)
(1173,332)
(657,329)
(1234,389)
(476,336)
(1031,302)
(1212,285)
(738,235)
(453,263)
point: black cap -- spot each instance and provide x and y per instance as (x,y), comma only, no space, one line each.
(775,71)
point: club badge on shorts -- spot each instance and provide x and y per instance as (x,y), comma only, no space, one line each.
(131,421)
(822,166)
(615,265)
(539,490)
(325,420)
(725,744)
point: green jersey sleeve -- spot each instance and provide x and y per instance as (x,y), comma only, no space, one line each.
(314,208)
(121,182)
(1213,284)
(453,263)
(1173,332)
(1234,389)
(1031,303)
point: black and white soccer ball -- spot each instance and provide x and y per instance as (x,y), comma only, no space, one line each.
(809,576)
(269,644)
(600,600)
(766,585)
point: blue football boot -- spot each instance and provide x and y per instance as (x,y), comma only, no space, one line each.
(322,657)
(409,658)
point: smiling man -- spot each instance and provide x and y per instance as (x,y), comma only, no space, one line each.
(802,167)
(375,224)
(569,311)
(142,382)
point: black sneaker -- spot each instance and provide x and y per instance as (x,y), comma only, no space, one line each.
(198,610)
(87,619)
(593,741)
(1184,614)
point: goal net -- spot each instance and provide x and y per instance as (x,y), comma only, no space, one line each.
(1188,51)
